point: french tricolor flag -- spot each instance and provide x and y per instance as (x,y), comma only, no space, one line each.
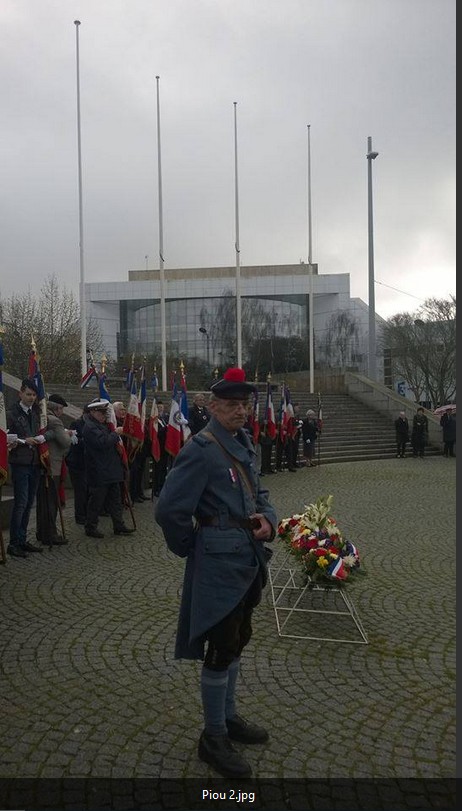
(351,549)
(337,570)
(154,431)
(270,417)
(142,399)
(89,375)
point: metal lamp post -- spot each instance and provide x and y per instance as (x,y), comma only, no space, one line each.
(204,332)
(371,156)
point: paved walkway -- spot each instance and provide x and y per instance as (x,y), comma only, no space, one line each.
(90,688)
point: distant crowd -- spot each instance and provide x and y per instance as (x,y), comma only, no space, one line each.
(107,469)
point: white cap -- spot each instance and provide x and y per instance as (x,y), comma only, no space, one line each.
(100,405)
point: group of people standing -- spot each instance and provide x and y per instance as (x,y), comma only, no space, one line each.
(286,448)
(417,435)
(40,455)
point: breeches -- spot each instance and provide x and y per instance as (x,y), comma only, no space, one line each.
(228,638)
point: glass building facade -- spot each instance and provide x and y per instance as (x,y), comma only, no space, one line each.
(205,328)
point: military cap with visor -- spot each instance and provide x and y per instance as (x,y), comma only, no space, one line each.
(98,405)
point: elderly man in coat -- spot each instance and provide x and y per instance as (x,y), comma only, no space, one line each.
(104,469)
(58,439)
(214,512)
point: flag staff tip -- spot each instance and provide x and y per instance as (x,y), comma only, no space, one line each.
(157,77)
(77,22)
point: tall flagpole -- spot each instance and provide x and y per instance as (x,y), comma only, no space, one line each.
(163,336)
(310,272)
(371,156)
(83,321)
(238,252)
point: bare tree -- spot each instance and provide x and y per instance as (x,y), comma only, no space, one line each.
(340,340)
(53,319)
(423,349)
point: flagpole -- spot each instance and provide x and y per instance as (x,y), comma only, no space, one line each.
(163,336)
(310,272)
(238,252)
(83,324)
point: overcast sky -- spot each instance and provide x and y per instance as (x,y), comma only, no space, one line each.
(349,68)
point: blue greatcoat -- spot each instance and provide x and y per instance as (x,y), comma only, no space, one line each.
(222,561)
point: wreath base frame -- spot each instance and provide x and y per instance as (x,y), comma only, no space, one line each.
(297,598)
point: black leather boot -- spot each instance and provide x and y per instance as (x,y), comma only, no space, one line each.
(218,751)
(241,730)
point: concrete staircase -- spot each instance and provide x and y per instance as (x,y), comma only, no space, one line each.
(352,432)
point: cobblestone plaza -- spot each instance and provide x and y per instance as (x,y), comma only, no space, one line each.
(90,687)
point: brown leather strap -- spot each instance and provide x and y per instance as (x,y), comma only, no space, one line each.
(239,467)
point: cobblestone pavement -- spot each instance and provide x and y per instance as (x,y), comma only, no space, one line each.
(90,687)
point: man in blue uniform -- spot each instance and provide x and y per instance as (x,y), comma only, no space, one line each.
(214,512)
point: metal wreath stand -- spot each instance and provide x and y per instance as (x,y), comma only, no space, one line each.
(296,597)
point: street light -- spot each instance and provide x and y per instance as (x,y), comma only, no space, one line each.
(371,156)
(204,332)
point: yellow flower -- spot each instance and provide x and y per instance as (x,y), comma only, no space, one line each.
(323,562)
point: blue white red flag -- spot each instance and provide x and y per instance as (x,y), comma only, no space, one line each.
(154,431)
(185,429)
(351,549)
(291,422)
(177,428)
(255,418)
(284,414)
(142,398)
(3,430)
(337,570)
(103,392)
(88,376)
(270,418)
(36,375)
(319,412)
(173,434)
(132,423)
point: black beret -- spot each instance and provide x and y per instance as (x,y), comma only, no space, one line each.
(56,398)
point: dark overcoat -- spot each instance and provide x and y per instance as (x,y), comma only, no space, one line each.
(448,424)
(402,429)
(197,418)
(103,462)
(222,561)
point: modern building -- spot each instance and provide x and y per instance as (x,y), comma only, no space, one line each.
(201,321)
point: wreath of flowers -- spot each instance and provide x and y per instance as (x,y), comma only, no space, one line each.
(316,541)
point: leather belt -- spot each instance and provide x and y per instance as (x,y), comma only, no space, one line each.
(214,521)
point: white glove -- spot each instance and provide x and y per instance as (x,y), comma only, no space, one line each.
(40,439)
(74,439)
